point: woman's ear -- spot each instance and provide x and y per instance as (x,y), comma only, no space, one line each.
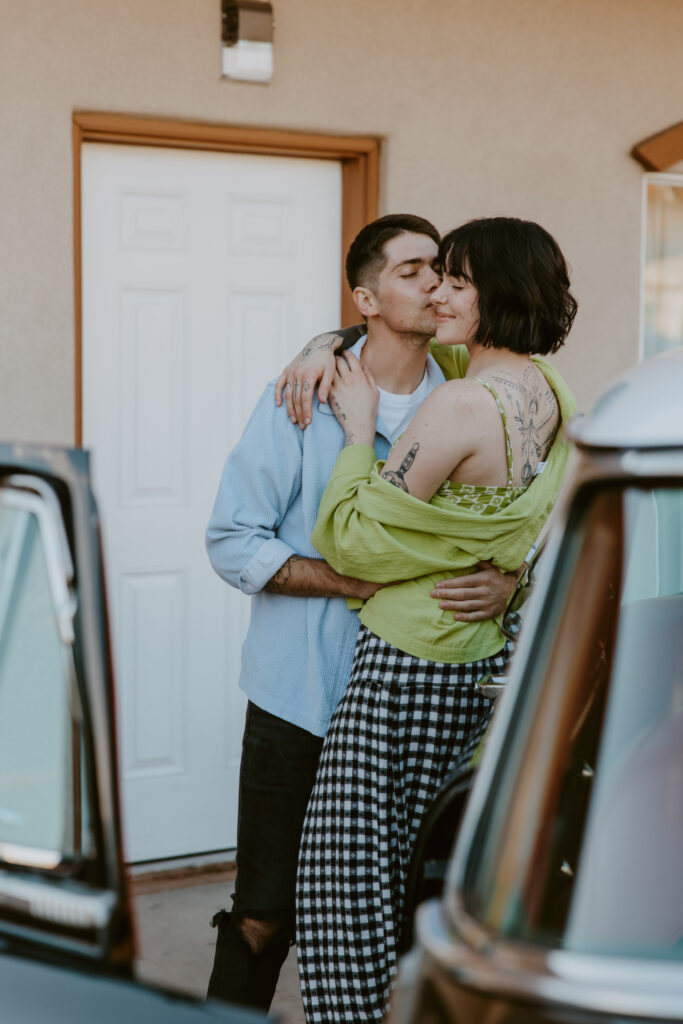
(365,301)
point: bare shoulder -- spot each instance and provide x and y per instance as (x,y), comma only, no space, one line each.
(461,394)
(469,403)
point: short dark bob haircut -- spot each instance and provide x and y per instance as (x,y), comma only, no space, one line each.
(521,275)
(366,257)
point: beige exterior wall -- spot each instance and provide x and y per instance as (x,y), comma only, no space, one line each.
(525,107)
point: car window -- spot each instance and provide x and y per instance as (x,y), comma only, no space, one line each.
(43,821)
(581,842)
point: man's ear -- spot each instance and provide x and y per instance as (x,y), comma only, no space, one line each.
(365,301)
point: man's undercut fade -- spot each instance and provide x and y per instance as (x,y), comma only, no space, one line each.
(522,279)
(366,257)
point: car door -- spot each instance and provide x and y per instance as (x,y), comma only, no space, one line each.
(66,940)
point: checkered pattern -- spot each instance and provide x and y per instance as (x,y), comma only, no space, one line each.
(396,734)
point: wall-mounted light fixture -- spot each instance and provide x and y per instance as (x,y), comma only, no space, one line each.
(247,34)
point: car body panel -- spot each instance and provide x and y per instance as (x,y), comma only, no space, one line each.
(35,991)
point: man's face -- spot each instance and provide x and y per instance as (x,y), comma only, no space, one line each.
(402,295)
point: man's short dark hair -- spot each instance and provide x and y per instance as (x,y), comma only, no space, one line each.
(522,279)
(366,259)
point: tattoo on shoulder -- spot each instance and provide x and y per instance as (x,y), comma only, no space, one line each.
(278,583)
(509,384)
(397,476)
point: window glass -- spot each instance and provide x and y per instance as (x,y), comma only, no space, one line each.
(41,776)
(581,844)
(663,269)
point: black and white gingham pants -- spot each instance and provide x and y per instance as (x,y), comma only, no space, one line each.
(395,736)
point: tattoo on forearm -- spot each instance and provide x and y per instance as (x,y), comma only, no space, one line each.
(397,476)
(322,343)
(280,581)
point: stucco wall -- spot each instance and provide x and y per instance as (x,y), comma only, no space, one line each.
(527,107)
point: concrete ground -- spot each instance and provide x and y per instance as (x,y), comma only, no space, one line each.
(176,943)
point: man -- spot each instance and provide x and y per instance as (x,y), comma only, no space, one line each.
(297,656)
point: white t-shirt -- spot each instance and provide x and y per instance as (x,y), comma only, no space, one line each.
(396,411)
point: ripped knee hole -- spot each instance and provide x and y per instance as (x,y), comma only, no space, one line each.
(259,934)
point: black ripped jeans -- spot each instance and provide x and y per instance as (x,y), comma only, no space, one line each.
(277,772)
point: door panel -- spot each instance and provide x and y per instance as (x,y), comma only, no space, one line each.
(202,273)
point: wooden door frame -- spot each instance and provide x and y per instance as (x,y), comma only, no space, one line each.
(358,155)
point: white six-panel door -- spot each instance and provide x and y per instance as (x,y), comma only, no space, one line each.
(202,274)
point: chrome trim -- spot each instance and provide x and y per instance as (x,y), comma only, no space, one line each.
(494,688)
(595,983)
(30,856)
(41,900)
(665,463)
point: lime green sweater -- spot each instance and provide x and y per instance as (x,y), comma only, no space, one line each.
(370,529)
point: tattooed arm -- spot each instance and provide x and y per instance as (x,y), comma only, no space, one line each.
(260,479)
(397,477)
(315,364)
(312,577)
(473,598)
(439,437)
(354,399)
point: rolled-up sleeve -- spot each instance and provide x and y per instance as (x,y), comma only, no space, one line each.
(260,479)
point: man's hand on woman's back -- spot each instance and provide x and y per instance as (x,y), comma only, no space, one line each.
(482,595)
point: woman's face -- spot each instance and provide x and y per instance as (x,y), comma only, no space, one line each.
(456,301)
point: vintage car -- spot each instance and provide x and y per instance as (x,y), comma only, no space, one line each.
(563,899)
(66,937)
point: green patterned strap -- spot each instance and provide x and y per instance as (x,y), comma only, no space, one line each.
(508,443)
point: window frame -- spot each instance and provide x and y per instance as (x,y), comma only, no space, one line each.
(653,178)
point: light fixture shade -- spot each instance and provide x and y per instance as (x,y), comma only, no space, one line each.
(247,35)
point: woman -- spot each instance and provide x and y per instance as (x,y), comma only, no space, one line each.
(461,485)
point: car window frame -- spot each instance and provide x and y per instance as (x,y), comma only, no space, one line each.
(35,497)
(77,906)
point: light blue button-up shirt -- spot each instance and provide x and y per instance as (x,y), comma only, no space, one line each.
(297,655)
